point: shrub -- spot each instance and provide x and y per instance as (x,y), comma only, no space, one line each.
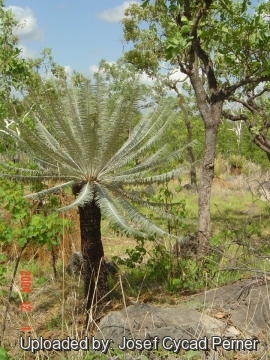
(237,162)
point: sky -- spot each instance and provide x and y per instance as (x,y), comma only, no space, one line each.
(80,33)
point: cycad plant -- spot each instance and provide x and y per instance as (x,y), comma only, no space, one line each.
(79,136)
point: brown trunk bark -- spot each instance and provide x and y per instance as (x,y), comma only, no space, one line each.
(96,290)
(94,269)
(193,175)
(210,110)
(205,190)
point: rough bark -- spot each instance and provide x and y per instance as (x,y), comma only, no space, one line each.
(210,110)
(94,268)
(210,107)
(193,174)
(205,190)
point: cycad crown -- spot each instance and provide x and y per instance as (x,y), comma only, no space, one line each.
(82,138)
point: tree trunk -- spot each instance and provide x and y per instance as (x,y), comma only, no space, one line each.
(210,110)
(94,269)
(205,190)
(193,175)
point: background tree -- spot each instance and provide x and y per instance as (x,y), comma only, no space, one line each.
(254,111)
(223,48)
(120,77)
(153,89)
(14,70)
(79,138)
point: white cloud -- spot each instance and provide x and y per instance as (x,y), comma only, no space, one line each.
(177,75)
(115,14)
(26,52)
(48,75)
(28,28)
(68,70)
(146,80)
(93,69)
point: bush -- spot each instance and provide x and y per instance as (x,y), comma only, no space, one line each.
(22,224)
(237,162)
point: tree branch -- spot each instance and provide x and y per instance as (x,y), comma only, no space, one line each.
(245,104)
(187,11)
(255,80)
(198,17)
(259,94)
(234,117)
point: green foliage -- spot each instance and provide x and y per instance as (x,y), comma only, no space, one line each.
(192,354)
(164,197)
(227,144)
(41,280)
(3,271)
(214,37)
(121,76)
(15,72)
(3,354)
(20,223)
(135,256)
(160,267)
(226,138)
(54,322)
(237,161)
(179,28)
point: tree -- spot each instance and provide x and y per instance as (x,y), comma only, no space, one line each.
(14,70)
(79,137)
(254,111)
(153,91)
(120,77)
(223,48)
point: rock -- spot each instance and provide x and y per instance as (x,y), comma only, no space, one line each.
(75,265)
(187,248)
(111,267)
(142,321)
(232,332)
(246,301)
(187,187)
(263,190)
(244,307)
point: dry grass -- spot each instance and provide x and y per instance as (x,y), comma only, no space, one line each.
(220,166)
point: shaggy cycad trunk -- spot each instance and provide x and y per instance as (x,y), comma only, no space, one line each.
(94,268)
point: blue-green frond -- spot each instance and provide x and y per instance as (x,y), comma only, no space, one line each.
(109,209)
(85,196)
(51,190)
